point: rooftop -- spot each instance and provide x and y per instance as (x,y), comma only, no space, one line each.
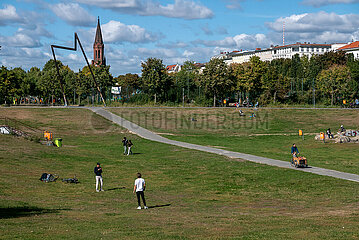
(350,46)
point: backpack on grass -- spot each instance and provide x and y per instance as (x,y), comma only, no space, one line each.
(47,177)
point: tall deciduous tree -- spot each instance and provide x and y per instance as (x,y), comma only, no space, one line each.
(103,78)
(29,85)
(129,82)
(253,74)
(48,84)
(274,84)
(237,71)
(155,78)
(335,81)
(9,85)
(216,79)
(186,78)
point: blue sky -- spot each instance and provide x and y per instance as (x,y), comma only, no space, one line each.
(172,30)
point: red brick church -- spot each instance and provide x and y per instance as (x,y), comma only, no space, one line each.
(98,48)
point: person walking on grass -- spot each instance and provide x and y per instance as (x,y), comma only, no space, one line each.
(139,189)
(129,146)
(124,142)
(98,172)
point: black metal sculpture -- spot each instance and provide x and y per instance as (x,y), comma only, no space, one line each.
(58,70)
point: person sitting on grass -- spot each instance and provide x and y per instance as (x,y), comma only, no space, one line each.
(294,150)
(342,129)
(329,133)
(139,188)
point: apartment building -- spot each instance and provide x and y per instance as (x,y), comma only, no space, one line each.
(276,52)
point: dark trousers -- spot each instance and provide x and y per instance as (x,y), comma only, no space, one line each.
(141,193)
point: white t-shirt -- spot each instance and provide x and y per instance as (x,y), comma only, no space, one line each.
(139,183)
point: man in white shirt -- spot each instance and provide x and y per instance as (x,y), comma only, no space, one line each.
(139,188)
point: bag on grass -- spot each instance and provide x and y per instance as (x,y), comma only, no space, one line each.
(47,177)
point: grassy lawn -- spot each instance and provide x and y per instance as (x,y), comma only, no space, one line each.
(270,134)
(191,195)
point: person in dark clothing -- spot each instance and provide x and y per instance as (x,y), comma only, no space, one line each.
(329,133)
(342,129)
(98,172)
(129,146)
(294,150)
(124,142)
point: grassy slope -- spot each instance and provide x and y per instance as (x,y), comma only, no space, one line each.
(210,196)
(225,128)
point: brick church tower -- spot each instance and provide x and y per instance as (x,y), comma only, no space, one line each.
(98,48)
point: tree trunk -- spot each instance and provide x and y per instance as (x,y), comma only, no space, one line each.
(155,98)
(214,100)
(332,100)
(275,96)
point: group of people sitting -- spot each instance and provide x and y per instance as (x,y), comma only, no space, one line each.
(127,145)
(329,132)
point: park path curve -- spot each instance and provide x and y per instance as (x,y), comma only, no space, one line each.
(144,133)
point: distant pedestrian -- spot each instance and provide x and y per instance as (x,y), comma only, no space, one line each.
(139,189)
(98,172)
(129,147)
(124,142)
(294,150)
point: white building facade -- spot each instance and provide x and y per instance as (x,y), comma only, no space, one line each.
(277,52)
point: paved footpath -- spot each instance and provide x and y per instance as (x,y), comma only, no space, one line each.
(144,133)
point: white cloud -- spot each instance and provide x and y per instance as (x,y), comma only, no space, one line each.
(157,52)
(234,4)
(23,57)
(9,15)
(73,14)
(317,27)
(177,44)
(241,41)
(319,3)
(75,57)
(117,32)
(186,9)
(20,40)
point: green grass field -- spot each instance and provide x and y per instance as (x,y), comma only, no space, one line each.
(270,134)
(191,194)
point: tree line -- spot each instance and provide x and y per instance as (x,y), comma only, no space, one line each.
(43,86)
(328,79)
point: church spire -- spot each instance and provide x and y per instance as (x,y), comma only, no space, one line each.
(98,36)
(98,47)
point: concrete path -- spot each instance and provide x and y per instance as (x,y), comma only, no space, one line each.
(144,133)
